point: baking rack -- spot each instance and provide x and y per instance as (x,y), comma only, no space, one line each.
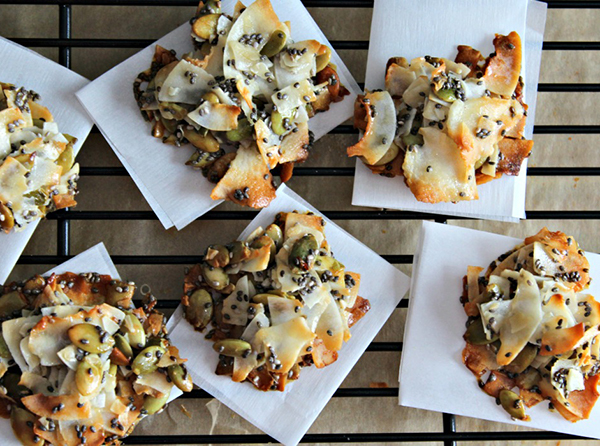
(449,436)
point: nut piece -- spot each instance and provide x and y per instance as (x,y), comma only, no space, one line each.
(303,254)
(200,309)
(180,377)
(91,338)
(132,327)
(233,347)
(147,360)
(512,403)
(88,375)
(215,277)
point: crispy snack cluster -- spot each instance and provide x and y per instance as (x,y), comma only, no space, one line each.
(447,126)
(242,98)
(277,302)
(532,327)
(79,364)
(37,170)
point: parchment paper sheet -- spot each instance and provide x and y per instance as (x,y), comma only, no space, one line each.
(435,27)
(286,416)
(432,375)
(57,86)
(95,259)
(177,193)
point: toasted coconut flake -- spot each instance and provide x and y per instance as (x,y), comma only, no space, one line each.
(380,130)
(61,407)
(514,152)
(503,70)
(218,117)
(247,181)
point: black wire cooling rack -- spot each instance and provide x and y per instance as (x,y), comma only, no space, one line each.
(449,436)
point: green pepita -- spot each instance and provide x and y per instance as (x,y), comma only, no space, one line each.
(8,221)
(276,234)
(476,335)
(206,26)
(243,131)
(200,310)
(233,347)
(265,241)
(263,298)
(523,359)
(88,375)
(207,142)
(124,346)
(323,58)
(275,44)
(133,328)
(91,338)
(11,304)
(22,422)
(217,256)
(513,404)
(412,140)
(447,94)
(303,254)
(239,252)
(147,360)
(180,377)
(4,350)
(201,159)
(277,123)
(153,404)
(66,159)
(215,277)
(171,110)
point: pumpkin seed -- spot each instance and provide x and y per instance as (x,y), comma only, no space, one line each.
(302,255)
(328,263)
(476,335)
(528,379)
(153,404)
(180,377)
(199,312)
(206,26)
(66,159)
(201,159)
(22,422)
(4,350)
(91,338)
(232,347)
(323,57)
(447,94)
(10,304)
(243,131)
(277,123)
(263,298)
(132,327)
(215,277)
(88,375)
(171,110)
(169,124)
(265,241)
(523,359)
(124,346)
(207,142)
(276,234)
(389,156)
(412,140)
(13,389)
(217,256)
(211,97)
(147,360)
(513,404)
(8,221)
(275,44)
(239,252)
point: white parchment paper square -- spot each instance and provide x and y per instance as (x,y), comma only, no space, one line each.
(57,86)
(177,193)
(432,374)
(95,259)
(286,416)
(412,29)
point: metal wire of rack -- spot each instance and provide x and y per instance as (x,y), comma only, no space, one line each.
(449,436)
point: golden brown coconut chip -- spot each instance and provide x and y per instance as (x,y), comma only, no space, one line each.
(503,69)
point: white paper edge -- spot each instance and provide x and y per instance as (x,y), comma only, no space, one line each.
(328,119)
(14,243)
(536,19)
(486,410)
(264,217)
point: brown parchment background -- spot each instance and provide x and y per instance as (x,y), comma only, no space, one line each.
(342,415)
